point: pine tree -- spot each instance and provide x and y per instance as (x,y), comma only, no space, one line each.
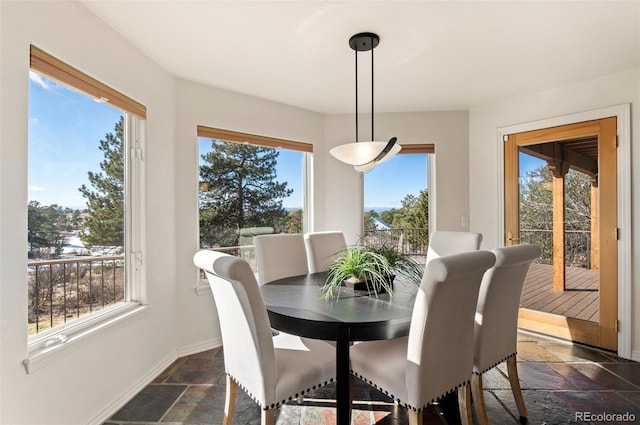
(47,225)
(536,212)
(241,191)
(105,202)
(294,221)
(414,214)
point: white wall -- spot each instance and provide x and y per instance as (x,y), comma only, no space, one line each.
(342,187)
(337,191)
(202,105)
(484,148)
(89,379)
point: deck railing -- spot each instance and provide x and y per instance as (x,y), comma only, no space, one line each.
(65,289)
(246,252)
(577,246)
(416,242)
(410,241)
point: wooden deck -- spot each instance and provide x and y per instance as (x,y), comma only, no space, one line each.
(579,300)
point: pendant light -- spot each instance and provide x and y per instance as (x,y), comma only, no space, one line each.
(365,155)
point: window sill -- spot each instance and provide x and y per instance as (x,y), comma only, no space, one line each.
(46,350)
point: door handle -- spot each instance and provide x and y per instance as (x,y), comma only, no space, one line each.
(511,240)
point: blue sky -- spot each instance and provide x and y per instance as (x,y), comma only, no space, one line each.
(389,182)
(65,128)
(528,162)
(385,186)
(289,169)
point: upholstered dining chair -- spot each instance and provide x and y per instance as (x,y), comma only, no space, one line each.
(271,370)
(443,242)
(322,248)
(437,356)
(496,324)
(279,256)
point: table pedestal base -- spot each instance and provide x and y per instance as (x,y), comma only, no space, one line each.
(343,377)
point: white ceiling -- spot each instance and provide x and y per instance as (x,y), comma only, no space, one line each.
(433,55)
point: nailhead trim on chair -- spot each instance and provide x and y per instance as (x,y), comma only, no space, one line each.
(278,404)
(402,403)
(495,364)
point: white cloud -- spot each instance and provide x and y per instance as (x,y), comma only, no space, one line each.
(36,188)
(39,80)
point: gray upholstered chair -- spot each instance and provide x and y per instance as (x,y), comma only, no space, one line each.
(496,324)
(443,242)
(322,248)
(271,370)
(279,256)
(437,356)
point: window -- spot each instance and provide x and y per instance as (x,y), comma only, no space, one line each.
(249,185)
(396,201)
(85,166)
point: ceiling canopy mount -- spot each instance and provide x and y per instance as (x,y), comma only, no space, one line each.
(364,41)
(365,155)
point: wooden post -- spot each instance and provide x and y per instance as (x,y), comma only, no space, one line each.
(595,225)
(559,170)
(558,234)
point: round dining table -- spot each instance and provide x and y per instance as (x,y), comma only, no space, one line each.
(295,306)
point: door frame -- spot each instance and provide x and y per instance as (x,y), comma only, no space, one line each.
(623,115)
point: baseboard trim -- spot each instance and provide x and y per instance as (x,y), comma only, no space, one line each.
(635,355)
(200,347)
(122,399)
(126,396)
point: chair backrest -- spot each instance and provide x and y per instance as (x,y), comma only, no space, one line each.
(443,242)
(249,355)
(440,346)
(322,248)
(280,256)
(496,321)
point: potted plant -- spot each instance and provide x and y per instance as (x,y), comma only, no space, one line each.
(371,268)
(402,264)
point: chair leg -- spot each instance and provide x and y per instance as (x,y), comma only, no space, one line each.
(478,399)
(268,417)
(229,401)
(512,369)
(415,418)
(352,383)
(464,402)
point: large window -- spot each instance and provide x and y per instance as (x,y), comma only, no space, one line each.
(85,163)
(396,201)
(249,185)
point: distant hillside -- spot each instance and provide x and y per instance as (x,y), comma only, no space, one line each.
(377,209)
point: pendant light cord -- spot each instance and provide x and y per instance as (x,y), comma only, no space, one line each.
(372,96)
(372,115)
(356,51)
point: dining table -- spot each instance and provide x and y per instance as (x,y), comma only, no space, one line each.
(295,305)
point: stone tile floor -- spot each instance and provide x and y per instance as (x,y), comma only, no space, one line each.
(562,384)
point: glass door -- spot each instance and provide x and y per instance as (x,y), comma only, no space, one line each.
(560,194)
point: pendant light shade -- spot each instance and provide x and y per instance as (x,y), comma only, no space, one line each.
(365,155)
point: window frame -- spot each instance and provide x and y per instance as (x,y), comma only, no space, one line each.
(47,346)
(211,133)
(411,149)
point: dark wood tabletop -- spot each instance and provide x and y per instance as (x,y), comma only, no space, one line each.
(295,306)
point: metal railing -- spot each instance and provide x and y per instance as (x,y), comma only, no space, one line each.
(410,241)
(416,242)
(65,289)
(246,252)
(577,246)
